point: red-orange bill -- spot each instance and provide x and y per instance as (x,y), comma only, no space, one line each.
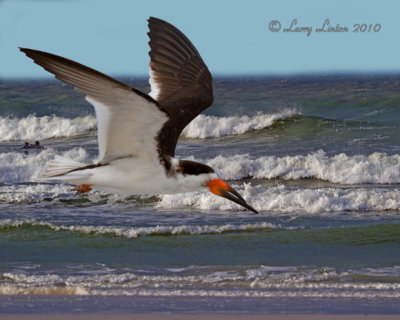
(221,188)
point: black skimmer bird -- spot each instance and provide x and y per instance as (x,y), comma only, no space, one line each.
(138,132)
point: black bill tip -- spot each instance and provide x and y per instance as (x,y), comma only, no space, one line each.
(234,196)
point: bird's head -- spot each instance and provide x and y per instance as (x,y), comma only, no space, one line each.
(212,182)
(222,189)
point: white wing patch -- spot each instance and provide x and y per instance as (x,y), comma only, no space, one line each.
(155,89)
(128,127)
(128,120)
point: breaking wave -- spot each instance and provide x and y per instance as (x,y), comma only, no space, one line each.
(280,199)
(18,167)
(38,128)
(283,199)
(210,126)
(18,171)
(262,281)
(378,168)
(129,232)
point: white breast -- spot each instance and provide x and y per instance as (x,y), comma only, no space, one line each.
(132,176)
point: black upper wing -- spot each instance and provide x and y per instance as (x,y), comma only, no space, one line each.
(128,120)
(180,80)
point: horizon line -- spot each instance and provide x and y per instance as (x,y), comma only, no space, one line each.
(228,75)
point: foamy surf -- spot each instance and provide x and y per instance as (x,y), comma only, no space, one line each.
(34,193)
(323,214)
(210,126)
(377,167)
(130,232)
(263,281)
(15,167)
(39,128)
(297,201)
(42,290)
(18,167)
(267,200)
(55,290)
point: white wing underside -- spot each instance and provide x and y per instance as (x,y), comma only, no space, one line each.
(128,121)
(127,126)
(154,87)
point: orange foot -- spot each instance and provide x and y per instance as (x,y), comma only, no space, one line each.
(83,188)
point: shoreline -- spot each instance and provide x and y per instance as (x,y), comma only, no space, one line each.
(210,316)
(73,307)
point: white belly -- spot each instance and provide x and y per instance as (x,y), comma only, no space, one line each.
(131,176)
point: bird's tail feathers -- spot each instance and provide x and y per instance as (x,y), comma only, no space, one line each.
(60,167)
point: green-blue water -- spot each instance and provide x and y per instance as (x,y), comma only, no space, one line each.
(319,157)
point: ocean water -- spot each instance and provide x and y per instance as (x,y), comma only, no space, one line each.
(319,157)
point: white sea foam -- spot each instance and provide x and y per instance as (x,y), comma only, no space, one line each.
(154,292)
(283,199)
(210,126)
(18,167)
(130,232)
(38,128)
(15,167)
(206,281)
(358,169)
(33,193)
(280,199)
(43,290)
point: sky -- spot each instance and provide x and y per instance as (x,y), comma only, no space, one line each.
(233,36)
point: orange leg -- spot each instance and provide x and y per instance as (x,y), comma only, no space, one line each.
(83,188)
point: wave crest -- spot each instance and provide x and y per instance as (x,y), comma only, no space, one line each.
(39,128)
(47,127)
(271,200)
(18,167)
(344,169)
(376,168)
(260,281)
(297,201)
(130,232)
(210,126)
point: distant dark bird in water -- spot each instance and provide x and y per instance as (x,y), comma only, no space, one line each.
(36,145)
(138,133)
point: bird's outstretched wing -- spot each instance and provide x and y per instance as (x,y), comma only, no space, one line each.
(128,120)
(179,79)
